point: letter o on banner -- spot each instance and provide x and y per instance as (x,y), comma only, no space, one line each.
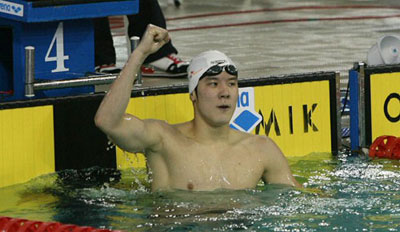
(385,107)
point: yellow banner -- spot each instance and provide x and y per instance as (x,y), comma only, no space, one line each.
(296,116)
(26,144)
(385,104)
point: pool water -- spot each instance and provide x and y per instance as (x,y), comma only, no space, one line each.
(341,193)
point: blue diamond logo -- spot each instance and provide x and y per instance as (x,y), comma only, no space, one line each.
(246,120)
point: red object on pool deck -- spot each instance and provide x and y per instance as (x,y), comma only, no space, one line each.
(8,224)
(385,146)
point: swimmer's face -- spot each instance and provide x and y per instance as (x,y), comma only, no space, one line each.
(216,97)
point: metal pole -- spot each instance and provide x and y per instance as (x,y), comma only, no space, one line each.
(338,112)
(31,86)
(361,105)
(29,71)
(134,43)
(91,80)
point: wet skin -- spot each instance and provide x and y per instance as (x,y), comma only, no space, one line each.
(205,154)
(202,154)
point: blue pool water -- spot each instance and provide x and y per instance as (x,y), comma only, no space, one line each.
(341,194)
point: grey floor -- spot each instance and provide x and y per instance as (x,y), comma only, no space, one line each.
(276,37)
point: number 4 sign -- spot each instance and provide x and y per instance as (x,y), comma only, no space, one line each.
(64,50)
(60,58)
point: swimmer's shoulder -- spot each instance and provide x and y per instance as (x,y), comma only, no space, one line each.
(171,130)
(164,125)
(156,124)
(184,130)
(251,138)
(257,143)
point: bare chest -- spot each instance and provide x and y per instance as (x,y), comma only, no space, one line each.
(200,167)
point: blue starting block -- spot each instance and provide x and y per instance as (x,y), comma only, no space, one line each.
(61,31)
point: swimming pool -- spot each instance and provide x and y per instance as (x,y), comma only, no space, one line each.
(341,193)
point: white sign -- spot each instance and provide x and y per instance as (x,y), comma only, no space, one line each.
(11,8)
(58,40)
(245,118)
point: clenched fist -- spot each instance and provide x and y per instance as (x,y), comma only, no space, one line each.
(153,39)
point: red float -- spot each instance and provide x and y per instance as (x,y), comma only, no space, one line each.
(8,224)
(385,146)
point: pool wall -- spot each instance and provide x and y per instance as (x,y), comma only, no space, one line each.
(378,104)
(46,135)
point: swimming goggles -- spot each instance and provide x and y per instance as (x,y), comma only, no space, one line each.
(216,69)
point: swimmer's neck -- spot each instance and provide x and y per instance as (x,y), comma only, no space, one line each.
(206,133)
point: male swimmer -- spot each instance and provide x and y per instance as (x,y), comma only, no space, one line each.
(202,154)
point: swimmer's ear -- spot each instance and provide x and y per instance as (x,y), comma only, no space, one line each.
(193,96)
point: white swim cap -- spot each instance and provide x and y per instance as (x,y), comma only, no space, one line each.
(201,63)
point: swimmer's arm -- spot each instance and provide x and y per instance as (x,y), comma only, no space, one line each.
(136,135)
(128,131)
(277,170)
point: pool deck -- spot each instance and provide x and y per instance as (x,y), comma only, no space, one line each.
(272,37)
